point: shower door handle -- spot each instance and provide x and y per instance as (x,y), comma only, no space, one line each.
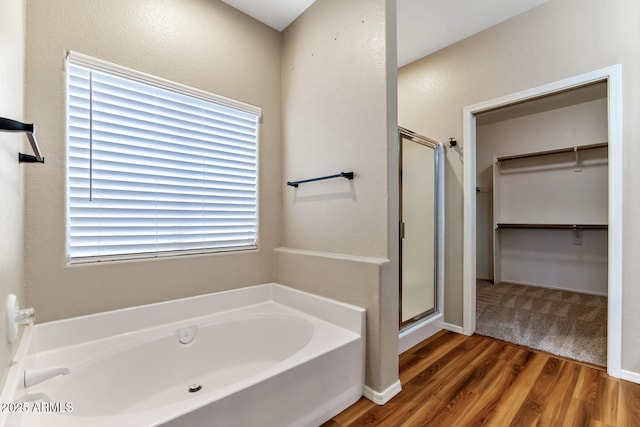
(402,230)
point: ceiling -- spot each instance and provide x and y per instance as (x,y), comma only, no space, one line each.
(424,26)
(277,14)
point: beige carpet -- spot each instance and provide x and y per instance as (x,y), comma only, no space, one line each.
(565,323)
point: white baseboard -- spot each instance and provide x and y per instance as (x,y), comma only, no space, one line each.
(385,396)
(454,328)
(634,377)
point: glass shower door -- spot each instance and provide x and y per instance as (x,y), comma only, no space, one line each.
(417,229)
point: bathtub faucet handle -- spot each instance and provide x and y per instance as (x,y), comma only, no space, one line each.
(14,317)
(26,316)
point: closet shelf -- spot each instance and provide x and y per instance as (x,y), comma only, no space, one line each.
(501,226)
(557,151)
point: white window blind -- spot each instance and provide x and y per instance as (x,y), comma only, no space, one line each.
(156,168)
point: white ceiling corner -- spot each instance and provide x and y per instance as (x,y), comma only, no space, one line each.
(277,14)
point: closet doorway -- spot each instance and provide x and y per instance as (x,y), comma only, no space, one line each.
(611,78)
(542,223)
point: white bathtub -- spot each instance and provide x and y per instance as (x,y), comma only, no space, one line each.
(263,356)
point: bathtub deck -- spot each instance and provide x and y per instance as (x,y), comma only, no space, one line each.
(455,380)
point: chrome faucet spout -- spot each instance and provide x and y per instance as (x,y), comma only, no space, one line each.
(36,376)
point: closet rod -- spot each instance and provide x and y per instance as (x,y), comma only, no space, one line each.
(558,151)
(554,226)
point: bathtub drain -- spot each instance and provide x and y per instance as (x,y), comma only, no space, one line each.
(194,387)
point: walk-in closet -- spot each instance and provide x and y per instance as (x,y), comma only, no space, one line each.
(542,207)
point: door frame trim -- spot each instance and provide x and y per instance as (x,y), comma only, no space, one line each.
(613,76)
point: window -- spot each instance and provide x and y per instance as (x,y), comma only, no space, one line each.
(155,168)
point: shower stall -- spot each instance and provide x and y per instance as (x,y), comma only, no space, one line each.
(421,230)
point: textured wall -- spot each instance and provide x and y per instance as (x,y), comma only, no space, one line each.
(338,110)
(559,39)
(335,119)
(339,101)
(205,44)
(11,172)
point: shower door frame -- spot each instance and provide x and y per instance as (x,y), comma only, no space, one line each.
(404,133)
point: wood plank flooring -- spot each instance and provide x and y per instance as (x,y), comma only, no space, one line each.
(456,380)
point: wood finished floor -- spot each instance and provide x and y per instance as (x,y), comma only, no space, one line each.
(457,380)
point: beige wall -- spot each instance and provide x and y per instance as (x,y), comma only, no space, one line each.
(335,119)
(201,43)
(11,172)
(339,98)
(559,39)
(337,111)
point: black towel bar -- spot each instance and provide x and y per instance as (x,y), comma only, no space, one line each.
(8,125)
(347,175)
